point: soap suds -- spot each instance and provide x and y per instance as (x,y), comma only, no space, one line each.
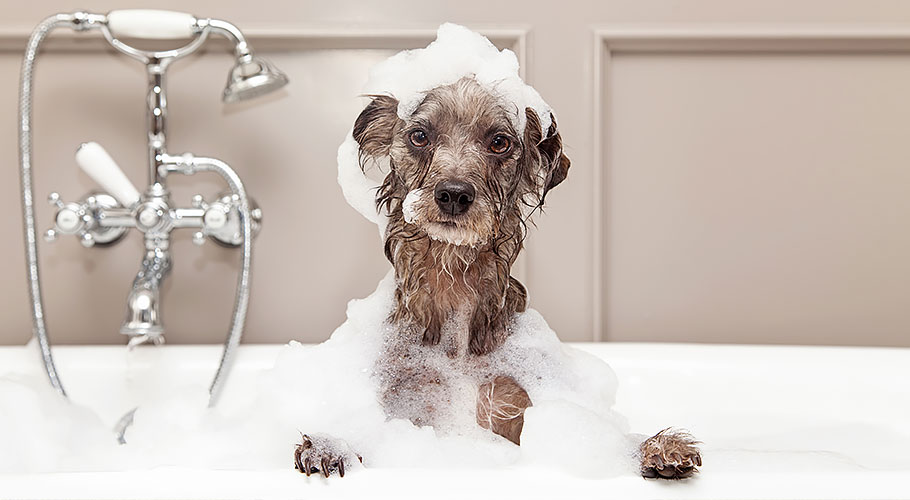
(333,389)
(408,209)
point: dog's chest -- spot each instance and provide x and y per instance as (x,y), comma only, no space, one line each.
(455,334)
(459,283)
(427,385)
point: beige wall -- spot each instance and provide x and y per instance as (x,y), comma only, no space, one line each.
(739,168)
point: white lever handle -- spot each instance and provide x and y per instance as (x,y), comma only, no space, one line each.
(153,24)
(94,161)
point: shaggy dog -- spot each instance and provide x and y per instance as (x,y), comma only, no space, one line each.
(462,184)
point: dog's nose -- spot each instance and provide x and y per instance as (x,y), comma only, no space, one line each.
(454,197)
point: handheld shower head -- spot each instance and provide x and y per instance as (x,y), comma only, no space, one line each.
(252,78)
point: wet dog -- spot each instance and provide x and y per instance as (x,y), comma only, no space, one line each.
(462,184)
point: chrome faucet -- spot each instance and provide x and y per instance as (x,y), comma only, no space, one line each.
(103,218)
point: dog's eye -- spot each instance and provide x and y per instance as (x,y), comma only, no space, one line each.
(419,138)
(500,144)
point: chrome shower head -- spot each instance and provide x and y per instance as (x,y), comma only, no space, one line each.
(252,78)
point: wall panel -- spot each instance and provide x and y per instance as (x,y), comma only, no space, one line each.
(755,186)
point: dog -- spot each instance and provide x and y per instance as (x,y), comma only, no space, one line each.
(462,185)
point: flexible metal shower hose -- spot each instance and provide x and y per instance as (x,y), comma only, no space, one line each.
(28,208)
(242,299)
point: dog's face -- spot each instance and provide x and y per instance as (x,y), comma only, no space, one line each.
(460,172)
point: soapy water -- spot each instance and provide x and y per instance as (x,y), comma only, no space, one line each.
(333,388)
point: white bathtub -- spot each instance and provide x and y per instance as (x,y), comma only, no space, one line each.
(777,422)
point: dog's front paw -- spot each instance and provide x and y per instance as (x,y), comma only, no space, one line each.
(670,454)
(318,454)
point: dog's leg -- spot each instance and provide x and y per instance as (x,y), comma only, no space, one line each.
(416,311)
(433,332)
(488,327)
(669,454)
(501,407)
(320,454)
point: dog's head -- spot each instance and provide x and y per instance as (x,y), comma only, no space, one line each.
(460,171)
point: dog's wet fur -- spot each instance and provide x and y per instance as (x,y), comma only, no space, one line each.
(462,185)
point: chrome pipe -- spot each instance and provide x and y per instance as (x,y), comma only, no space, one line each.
(232,33)
(188,217)
(157,116)
(143,322)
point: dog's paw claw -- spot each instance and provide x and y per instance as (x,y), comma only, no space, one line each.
(323,455)
(670,454)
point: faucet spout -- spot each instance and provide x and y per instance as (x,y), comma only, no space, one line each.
(143,318)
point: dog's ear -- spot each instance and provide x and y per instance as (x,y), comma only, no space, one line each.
(547,151)
(375,126)
(558,162)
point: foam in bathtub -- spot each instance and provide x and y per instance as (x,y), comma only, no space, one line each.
(42,431)
(331,388)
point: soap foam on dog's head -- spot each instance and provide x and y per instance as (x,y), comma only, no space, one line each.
(456,53)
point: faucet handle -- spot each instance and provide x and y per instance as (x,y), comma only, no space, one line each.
(70,218)
(221,220)
(53,200)
(98,164)
(83,219)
